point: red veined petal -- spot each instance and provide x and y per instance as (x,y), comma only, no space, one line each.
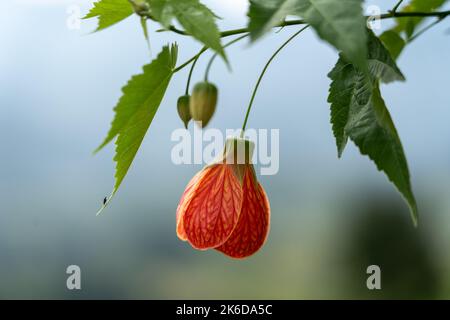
(214,207)
(254,221)
(185,198)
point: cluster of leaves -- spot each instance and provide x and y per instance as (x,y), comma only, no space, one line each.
(358,111)
(396,38)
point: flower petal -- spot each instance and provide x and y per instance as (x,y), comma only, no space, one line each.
(185,199)
(254,221)
(213,210)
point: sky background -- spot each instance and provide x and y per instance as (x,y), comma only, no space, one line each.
(58,88)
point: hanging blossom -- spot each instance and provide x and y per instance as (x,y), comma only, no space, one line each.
(224,207)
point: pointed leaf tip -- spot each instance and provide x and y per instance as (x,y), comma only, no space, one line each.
(109,12)
(358,112)
(136,110)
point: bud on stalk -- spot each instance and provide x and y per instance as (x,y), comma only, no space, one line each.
(140,7)
(203,102)
(183,109)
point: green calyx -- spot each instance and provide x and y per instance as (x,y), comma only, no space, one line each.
(203,102)
(238,151)
(140,7)
(183,109)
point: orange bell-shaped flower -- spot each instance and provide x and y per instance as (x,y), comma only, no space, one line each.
(224,207)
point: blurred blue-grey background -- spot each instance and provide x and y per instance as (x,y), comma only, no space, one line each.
(330,218)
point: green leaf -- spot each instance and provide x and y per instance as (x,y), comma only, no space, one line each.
(266,14)
(371,128)
(349,87)
(409,24)
(344,92)
(196,19)
(358,112)
(162,11)
(393,43)
(110,12)
(136,108)
(380,63)
(339,22)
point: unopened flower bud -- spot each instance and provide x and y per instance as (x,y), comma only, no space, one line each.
(203,102)
(140,7)
(183,109)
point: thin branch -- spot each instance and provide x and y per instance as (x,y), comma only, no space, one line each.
(208,67)
(440,15)
(394,9)
(425,29)
(190,74)
(388,15)
(190,60)
(173,29)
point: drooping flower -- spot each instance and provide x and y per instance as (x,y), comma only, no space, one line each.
(224,207)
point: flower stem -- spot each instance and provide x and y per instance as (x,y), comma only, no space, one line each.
(262,75)
(190,74)
(208,67)
(431,25)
